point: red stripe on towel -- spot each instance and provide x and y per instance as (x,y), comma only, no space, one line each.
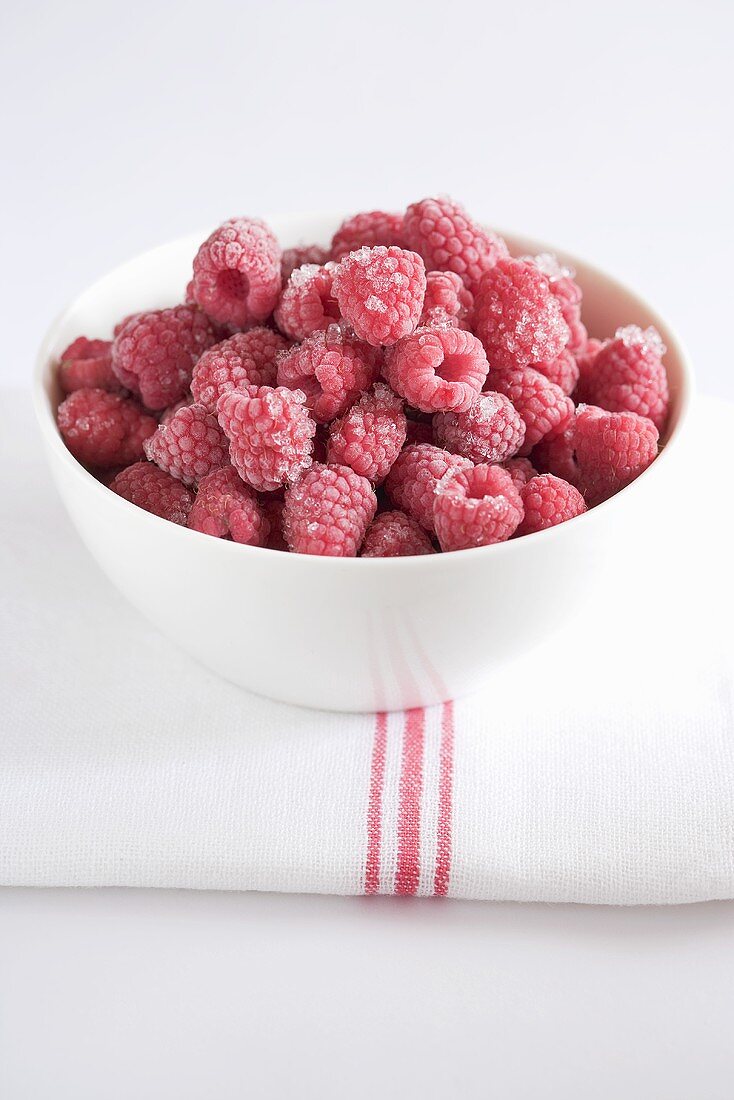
(374,807)
(409,810)
(445,792)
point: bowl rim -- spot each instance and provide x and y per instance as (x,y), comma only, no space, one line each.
(47,422)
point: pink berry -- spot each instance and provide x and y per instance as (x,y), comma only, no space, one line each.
(437,369)
(447,300)
(395,535)
(411,483)
(270,435)
(627,375)
(520,470)
(237,272)
(306,302)
(104,429)
(491,430)
(245,359)
(380,292)
(544,407)
(328,510)
(445,236)
(332,368)
(190,445)
(370,435)
(227,508)
(374,227)
(87,365)
(152,489)
(563,371)
(548,501)
(154,353)
(567,291)
(612,449)
(302,254)
(476,507)
(586,354)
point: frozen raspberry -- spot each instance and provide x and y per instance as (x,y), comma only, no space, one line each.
(104,429)
(154,353)
(447,300)
(270,435)
(476,507)
(332,368)
(612,449)
(237,272)
(520,470)
(567,291)
(491,430)
(586,355)
(416,472)
(517,317)
(442,233)
(307,302)
(273,507)
(369,436)
(153,489)
(303,254)
(375,227)
(327,511)
(87,365)
(544,407)
(418,431)
(244,360)
(558,456)
(627,375)
(563,371)
(190,445)
(226,507)
(437,370)
(547,501)
(380,292)
(395,535)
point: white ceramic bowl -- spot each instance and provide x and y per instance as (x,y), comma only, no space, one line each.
(343,634)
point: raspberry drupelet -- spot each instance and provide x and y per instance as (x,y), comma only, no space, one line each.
(437,369)
(332,368)
(307,302)
(370,435)
(563,371)
(445,236)
(327,511)
(627,375)
(152,489)
(87,365)
(411,483)
(245,359)
(447,300)
(612,449)
(270,435)
(227,508)
(380,292)
(236,276)
(491,430)
(395,535)
(371,228)
(547,501)
(189,445)
(520,470)
(103,429)
(154,353)
(567,291)
(476,507)
(544,407)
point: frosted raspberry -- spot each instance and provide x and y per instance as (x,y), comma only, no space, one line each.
(244,360)
(563,371)
(558,456)
(87,365)
(476,507)
(447,300)
(332,368)
(491,430)
(154,353)
(517,317)
(416,472)
(369,436)
(418,431)
(612,449)
(153,489)
(273,507)
(395,535)
(375,227)
(104,429)
(327,511)
(270,435)
(544,407)
(437,370)
(303,254)
(445,236)
(520,470)
(190,445)
(380,292)
(548,501)
(307,302)
(226,507)
(586,355)
(627,375)
(567,291)
(237,272)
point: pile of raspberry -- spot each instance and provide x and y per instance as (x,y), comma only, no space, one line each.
(409,389)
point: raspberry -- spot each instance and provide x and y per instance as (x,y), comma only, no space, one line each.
(303,254)
(476,507)
(273,507)
(369,436)
(306,302)
(547,501)
(380,292)
(190,445)
(153,489)
(375,227)
(154,353)
(612,449)
(244,360)
(237,272)
(446,300)
(225,506)
(104,429)
(412,482)
(586,354)
(520,470)
(557,456)
(490,431)
(567,291)
(327,511)
(332,368)
(517,317)
(544,407)
(270,434)
(395,535)
(87,365)
(442,233)
(418,431)
(563,371)
(437,370)
(627,375)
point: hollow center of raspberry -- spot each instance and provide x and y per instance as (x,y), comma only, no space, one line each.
(453,368)
(233,284)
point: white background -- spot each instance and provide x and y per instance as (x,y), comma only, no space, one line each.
(604,128)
